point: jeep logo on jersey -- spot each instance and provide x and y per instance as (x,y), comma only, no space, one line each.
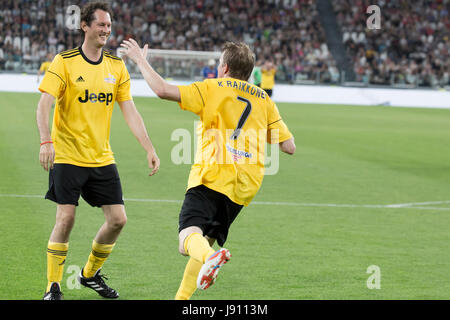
(93,98)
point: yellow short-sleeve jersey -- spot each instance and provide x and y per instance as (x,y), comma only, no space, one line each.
(268,79)
(85,93)
(236,119)
(44,66)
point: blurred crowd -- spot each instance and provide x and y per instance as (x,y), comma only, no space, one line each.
(410,48)
(286,31)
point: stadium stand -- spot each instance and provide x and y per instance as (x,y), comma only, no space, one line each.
(286,30)
(412,47)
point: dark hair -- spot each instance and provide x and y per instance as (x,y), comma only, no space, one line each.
(239,58)
(87,12)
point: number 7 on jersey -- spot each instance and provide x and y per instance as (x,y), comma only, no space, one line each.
(242,119)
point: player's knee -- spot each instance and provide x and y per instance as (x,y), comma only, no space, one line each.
(118,223)
(182,236)
(181,248)
(116,217)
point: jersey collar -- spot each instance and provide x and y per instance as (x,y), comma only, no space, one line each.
(90,61)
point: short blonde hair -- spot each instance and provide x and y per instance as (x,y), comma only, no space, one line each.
(239,58)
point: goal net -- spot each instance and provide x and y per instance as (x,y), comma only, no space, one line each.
(175,64)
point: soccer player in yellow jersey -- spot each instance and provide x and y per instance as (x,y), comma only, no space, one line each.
(44,66)
(86,82)
(237,118)
(268,71)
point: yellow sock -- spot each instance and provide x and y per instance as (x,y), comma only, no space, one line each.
(56,257)
(189,283)
(197,247)
(97,258)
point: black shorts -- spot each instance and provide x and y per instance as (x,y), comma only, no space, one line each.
(269,92)
(211,211)
(97,185)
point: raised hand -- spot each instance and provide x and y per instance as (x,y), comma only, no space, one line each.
(133,51)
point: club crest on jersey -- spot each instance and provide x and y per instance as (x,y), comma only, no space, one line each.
(93,97)
(110,79)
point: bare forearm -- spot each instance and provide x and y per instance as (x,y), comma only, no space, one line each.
(160,87)
(153,79)
(46,152)
(42,117)
(43,127)
(136,125)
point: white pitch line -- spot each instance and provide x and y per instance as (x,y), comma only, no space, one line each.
(21,196)
(300,204)
(425,208)
(399,205)
(412,205)
(379,206)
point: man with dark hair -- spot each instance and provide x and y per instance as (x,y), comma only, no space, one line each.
(237,118)
(88,13)
(86,82)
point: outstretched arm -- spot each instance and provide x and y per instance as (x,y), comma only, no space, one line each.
(160,87)
(137,126)
(47,152)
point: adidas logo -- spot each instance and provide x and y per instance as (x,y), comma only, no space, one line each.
(80,79)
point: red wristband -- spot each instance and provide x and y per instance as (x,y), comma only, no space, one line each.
(45,142)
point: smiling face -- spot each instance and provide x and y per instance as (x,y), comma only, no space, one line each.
(99,30)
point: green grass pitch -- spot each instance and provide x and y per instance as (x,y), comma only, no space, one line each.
(332,220)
